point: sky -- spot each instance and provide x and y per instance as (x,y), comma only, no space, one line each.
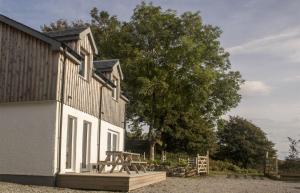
(262,37)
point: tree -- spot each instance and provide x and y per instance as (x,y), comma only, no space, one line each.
(177,75)
(63,24)
(243,143)
(293,151)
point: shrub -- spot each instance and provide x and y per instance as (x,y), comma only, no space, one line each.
(182,163)
(235,168)
(166,163)
(289,166)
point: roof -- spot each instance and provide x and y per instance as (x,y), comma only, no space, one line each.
(67,32)
(107,66)
(74,33)
(52,42)
(56,40)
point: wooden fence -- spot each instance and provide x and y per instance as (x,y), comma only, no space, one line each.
(201,163)
(271,165)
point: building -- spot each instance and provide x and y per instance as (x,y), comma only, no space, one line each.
(59,109)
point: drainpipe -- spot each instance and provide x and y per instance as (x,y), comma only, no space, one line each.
(62,96)
(125,132)
(100,120)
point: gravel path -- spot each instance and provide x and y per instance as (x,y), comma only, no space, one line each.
(214,184)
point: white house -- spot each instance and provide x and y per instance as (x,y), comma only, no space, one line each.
(59,109)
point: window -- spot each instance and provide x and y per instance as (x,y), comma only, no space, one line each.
(83,65)
(86,144)
(71,143)
(115,89)
(112,141)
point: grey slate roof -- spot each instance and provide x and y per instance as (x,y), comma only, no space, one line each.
(105,65)
(74,33)
(70,33)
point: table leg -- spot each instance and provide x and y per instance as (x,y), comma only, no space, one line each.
(101,168)
(127,169)
(143,168)
(113,168)
(121,169)
(135,168)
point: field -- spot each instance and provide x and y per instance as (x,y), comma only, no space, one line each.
(212,184)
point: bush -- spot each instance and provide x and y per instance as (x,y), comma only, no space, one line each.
(289,166)
(234,168)
(182,163)
(166,163)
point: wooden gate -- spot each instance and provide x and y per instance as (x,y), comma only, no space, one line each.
(271,165)
(202,164)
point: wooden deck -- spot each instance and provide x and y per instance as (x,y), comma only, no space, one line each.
(109,181)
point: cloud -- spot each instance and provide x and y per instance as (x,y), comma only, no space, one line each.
(284,45)
(292,79)
(255,88)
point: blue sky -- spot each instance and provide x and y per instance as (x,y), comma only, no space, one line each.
(263,38)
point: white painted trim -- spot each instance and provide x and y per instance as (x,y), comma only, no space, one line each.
(105,126)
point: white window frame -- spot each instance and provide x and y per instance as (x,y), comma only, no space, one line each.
(115,89)
(88,146)
(74,135)
(83,64)
(112,134)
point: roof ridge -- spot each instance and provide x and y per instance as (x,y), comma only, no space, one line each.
(66,29)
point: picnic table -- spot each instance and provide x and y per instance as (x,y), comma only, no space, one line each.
(123,159)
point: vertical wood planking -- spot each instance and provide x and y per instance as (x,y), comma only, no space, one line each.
(25,67)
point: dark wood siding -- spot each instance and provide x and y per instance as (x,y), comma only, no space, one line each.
(84,94)
(31,71)
(28,67)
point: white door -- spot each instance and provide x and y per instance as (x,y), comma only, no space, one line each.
(71,144)
(86,145)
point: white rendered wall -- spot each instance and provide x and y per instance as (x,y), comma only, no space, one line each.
(105,128)
(81,117)
(27,138)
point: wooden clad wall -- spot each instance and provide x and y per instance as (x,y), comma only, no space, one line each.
(28,67)
(113,111)
(84,94)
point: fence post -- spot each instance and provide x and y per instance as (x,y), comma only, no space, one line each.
(207,162)
(144,155)
(266,163)
(163,156)
(276,165)
(197,164)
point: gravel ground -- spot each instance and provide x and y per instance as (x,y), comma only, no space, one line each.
(214,184)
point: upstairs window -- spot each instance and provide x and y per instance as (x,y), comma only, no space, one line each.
(115,89)
(83,65)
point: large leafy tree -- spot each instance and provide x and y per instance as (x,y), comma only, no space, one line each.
(243,143)
(180,80)
(177,75)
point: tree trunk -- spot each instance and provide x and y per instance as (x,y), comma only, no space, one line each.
(152,150)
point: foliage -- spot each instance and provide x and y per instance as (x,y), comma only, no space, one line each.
(243,143)
(135,132)
(293,151)
(182,163)
(63,24)
(228,167)
(177,76)
(289,166)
